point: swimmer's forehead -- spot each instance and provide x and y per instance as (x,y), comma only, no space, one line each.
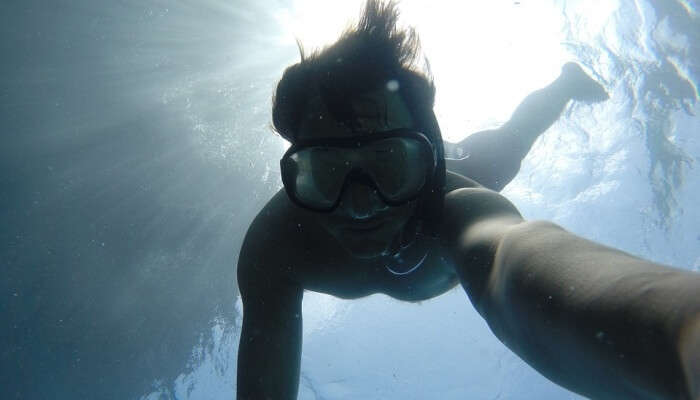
(375,111)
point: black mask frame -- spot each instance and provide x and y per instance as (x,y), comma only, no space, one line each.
(356,141)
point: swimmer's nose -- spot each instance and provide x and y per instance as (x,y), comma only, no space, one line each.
(360,201)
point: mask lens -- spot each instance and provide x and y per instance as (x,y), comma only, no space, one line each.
(398,167)
(319,175)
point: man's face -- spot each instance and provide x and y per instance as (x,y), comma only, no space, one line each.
(363,223)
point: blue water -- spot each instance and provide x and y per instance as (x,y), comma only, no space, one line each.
(136,149)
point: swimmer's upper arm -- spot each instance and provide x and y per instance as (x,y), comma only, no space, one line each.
(475,221)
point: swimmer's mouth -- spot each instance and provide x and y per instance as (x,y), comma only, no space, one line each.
(368,226)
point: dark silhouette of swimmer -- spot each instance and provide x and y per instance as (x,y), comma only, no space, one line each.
(369,206)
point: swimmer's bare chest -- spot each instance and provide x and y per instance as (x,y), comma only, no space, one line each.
(328,268)
(299,248)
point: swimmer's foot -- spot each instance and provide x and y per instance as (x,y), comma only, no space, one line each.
(583,87)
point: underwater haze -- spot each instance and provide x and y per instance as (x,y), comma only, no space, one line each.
(136,149)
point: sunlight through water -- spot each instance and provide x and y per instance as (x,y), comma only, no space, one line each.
(592,158)
(137,149)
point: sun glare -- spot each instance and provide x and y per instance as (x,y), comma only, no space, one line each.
(317,23)
(485,56)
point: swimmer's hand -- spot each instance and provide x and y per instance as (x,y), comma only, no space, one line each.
(582,87)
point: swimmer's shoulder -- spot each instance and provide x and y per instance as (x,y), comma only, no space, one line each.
(278,219)
(285,243)
(279,230)
(454,181)
(278,209)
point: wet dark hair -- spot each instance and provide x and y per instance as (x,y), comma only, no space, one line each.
(367,56)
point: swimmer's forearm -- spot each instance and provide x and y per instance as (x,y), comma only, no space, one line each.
(594,319)
(269,354)
(268,361)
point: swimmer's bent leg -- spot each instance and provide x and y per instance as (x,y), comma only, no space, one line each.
(493,157)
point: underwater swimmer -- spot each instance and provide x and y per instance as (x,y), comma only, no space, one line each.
(369,207)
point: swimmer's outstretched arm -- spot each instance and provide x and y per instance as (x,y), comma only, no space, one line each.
(493,157)
(591,318)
